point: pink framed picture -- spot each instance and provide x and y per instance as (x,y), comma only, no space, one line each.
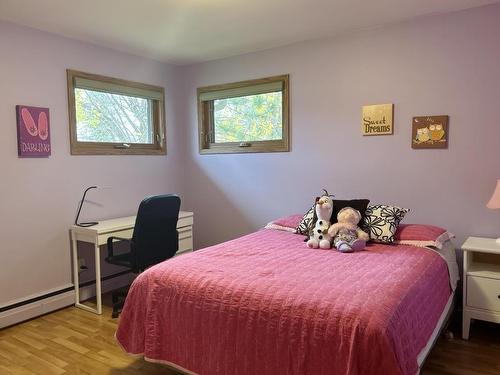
(33,132)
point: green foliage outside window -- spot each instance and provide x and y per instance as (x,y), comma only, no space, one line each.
(248,118)
(106,117)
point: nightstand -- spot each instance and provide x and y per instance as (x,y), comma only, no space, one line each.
(481,282)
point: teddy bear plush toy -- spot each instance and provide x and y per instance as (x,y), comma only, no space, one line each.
(347,236)
(319,236)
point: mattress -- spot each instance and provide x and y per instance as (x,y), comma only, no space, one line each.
(266,304)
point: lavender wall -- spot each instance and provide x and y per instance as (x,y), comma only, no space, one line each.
(447,64)
(435,65)
(38,197)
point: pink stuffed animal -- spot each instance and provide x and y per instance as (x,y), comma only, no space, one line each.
(347,236)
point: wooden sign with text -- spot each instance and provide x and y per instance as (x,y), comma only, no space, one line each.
(377,119)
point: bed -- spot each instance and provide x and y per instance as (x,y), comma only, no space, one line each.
(266,304)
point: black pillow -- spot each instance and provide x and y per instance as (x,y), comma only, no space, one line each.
(357,204)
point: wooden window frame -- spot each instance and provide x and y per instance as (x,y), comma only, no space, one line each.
(159,145)
(205,121)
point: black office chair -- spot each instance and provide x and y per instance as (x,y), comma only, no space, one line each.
(154,240)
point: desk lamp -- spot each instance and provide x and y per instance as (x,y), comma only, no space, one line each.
(91,223)
(494,202)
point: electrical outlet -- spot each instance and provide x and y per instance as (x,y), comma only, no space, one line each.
(81,265)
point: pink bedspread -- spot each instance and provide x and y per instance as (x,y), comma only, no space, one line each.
(266,304)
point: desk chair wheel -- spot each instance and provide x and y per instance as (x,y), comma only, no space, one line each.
(117,309)
(118,298)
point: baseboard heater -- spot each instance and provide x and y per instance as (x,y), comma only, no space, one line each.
(44,303)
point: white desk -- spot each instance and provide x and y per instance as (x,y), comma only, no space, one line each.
(119,227)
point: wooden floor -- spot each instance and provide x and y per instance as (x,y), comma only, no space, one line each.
(72,341)
(480,355)
(69,341)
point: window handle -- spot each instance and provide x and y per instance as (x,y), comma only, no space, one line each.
(244,144)
(122,146)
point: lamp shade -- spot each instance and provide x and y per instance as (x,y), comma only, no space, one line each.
(495,198)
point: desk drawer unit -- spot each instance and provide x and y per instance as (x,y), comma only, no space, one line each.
(483,293)
(184,222)
(185,239)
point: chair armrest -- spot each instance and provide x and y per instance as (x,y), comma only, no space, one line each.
(110,244)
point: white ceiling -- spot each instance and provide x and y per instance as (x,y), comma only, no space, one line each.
(190,31)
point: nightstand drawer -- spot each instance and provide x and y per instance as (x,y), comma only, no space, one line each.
(483,293)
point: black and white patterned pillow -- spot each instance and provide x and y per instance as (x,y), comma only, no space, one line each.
(308,221)
(381,222)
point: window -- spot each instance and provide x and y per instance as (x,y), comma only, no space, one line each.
(114,116)
(249,116)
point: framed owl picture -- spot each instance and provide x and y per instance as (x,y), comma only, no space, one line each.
(430,132)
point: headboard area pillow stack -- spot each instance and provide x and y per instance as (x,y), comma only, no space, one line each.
(421,235)
(381,222)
